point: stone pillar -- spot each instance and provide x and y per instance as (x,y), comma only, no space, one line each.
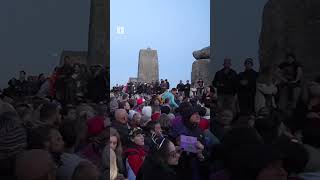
(200,67)
(148,66)
(99,38)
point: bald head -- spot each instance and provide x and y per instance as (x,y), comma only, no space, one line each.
(35,165)
(121,116)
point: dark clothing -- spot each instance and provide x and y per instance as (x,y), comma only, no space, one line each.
(290,70)
(247,90)
(97,88)
(226,83)
(180,87)
(187,90)
(217,129)
(123,130)
(152,170)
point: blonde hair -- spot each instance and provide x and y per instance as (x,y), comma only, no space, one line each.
(113,165)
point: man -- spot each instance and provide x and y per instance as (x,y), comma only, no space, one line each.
(121,125)
(187,87)
(180,88)
(22,84)
(247,87)
(171,96)
(35,165)
(290,88)
(225,81)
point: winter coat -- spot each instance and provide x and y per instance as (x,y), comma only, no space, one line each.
(225,83)
(135,155)
(152,170)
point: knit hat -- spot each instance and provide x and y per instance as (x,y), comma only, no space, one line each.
(135,131)
(131,114)
(95,126)
(155,116)
(147,111)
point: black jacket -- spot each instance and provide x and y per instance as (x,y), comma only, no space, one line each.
(251,77)
(152,170)
(225,83)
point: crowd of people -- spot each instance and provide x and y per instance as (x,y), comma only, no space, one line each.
(248,125)
(55,127)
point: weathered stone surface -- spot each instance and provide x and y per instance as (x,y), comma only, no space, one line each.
(148,67)
(200,70)
(294,26)
(202,54)
(98,45)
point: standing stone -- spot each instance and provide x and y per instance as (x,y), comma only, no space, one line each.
(148,67)
(200,67)
(98,37)
(291,26)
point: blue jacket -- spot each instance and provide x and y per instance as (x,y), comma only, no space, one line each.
(171,97)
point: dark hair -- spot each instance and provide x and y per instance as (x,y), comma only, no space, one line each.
(122,104)
(268,127)
(48,110)
(150,126)
(174,89)
(38,136)
(69,133)
(165,110)
(203,111)
(159,150)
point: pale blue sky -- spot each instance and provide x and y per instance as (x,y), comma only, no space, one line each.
(173,27)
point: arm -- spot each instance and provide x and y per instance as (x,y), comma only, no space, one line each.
(299,74)
(173,102)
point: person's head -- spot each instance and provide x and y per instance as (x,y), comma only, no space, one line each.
(121,116)
(290,57)
(256,162)
(154,127)
(136,136)
(115,143)
(268,127)
(46,138)
(50,114)
(225,116)
(156,102)
(164,151)
(248,63)
(191,116)
(203,111)
(165,110)
(227,63)
(35,164)
(76,68)
(86,171)
(41,77)
(188,81)
(180,81)
(71,114)
(174,91)
(124,105)
(22,75)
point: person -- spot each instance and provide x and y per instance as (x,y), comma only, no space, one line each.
(187,88)
(200,88)
(266,90)
(220,126)
(171,96)
(125,105)
(160,163)
(121,125)
(50,114)
(115,145)
(225,81)
(86,171)
(247,87)
(135,153)
(180,87)
(22,84)
(114,173)
(291,76)
(35,164)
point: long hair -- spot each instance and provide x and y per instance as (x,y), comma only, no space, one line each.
(113,165)
(114,132)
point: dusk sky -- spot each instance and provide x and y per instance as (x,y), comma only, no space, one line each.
(32,32)
(175,28)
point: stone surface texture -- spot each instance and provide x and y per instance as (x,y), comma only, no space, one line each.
(148,66)
(200,67)
(291,26)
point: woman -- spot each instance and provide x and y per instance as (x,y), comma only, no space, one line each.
(159,164)
(115,145)
(135,153)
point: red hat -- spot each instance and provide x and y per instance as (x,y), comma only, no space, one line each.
(140,101)
(155,116)
(95,126)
